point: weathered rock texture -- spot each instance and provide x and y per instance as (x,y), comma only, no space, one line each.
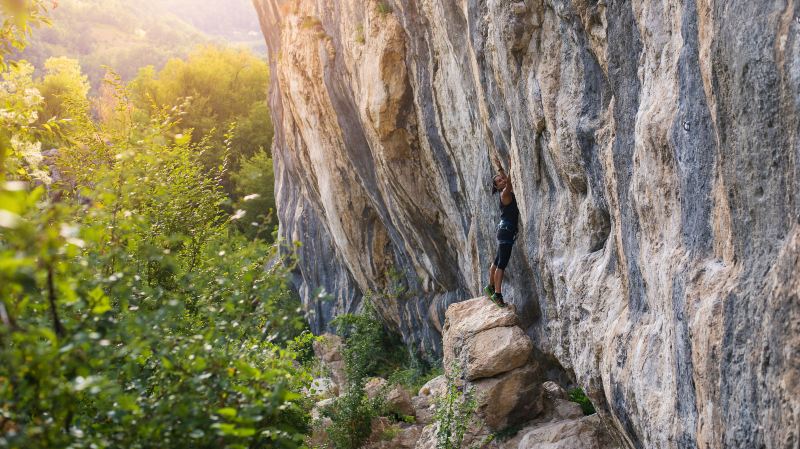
(484,345)
(655,155)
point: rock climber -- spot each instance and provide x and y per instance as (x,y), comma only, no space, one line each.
(506,234)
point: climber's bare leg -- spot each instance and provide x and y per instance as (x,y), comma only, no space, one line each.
(492,269)
(498,280)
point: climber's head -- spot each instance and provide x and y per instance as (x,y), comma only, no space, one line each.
(499,182)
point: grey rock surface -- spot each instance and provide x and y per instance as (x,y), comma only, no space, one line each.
(654,150)
(581,432)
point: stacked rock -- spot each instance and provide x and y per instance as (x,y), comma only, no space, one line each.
(485,347)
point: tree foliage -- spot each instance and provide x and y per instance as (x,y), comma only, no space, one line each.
(18,19)
(222,93)
(133,313)
(64,87)
(222,86)
(352,413)
(254,185)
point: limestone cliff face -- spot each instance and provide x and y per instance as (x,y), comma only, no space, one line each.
(654,151)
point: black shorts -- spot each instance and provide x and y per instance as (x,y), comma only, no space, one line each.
(505,241)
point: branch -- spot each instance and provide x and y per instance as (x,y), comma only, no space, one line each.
(51,296)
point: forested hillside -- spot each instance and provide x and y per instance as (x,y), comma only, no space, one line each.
(128,35)
(237,24)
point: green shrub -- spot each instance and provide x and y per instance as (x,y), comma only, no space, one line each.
(415,372)
(577,395)
(369,350)
(352,413)
(455,412)
(132,313)
(303,347)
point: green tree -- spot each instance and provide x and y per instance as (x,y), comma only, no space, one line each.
(218,89)
(64,87)
(254,185)
(352,412)
(223,85)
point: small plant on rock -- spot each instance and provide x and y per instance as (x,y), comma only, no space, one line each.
(577,395)
(310,22)
(455,411)
(384,8)
(360,35)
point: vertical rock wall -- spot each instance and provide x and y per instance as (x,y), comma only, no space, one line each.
(654,151)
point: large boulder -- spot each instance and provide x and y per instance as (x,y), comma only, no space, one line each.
(484,346)
(496,351)
(469,317)
(580,433)
(509,399)
(483,340)
(397,399)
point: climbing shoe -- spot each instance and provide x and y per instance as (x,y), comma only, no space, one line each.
(489,289)
(497,298)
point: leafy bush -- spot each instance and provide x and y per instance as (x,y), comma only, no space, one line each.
(132,313)
(577,395)
(221,93)
(369,350)
(254,186)
(455,412)
(303,347)
(415,372)
(352,412)
(351,416)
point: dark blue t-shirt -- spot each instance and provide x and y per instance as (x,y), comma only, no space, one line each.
(510,213)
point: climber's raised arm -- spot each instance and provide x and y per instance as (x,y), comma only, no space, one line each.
(506,196)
